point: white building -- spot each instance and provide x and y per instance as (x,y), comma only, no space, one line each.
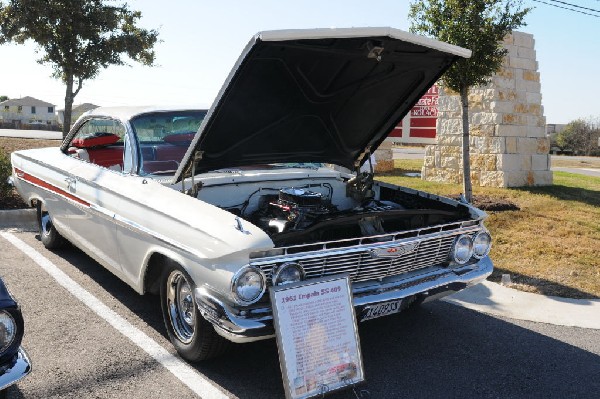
(76,112)
(27,112)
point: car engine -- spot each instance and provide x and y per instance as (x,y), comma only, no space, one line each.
(296,209)
(292,209)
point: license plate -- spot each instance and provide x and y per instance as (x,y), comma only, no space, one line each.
(381,309)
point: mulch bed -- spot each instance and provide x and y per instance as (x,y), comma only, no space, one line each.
(493,204)
(12,201)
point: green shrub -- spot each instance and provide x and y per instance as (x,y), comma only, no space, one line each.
(5,172)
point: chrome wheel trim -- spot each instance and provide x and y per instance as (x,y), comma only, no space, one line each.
(181,305)
(45,222)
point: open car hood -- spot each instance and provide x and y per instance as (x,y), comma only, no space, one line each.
(316,95)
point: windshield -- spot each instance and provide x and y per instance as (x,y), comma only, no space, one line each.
(163,138)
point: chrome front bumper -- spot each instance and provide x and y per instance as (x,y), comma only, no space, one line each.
(16,369)
(247,325)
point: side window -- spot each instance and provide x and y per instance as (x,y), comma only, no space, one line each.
(163,139)
(101,142)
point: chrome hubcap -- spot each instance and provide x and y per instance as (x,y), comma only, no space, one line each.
(180,301)
(45,223)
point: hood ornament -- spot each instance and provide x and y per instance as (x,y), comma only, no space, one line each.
(239,226)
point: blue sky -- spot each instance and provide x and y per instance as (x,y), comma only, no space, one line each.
(201,41)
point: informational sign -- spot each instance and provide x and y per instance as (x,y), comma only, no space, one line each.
(317,338)
(420,122)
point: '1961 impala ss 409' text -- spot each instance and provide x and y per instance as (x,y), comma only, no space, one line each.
(211,208)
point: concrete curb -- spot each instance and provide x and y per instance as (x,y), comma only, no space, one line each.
(497,300)
(20,219)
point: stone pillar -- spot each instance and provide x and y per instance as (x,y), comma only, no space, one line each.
(384,161)
(508,142)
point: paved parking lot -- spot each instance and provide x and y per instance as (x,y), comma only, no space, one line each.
(438,350)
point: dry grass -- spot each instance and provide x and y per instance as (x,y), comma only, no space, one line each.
(552,244)
(10,144)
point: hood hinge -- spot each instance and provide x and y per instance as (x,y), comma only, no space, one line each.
(193,191)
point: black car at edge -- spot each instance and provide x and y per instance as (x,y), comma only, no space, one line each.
(14,363)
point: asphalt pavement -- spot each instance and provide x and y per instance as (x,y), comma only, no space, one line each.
(436,350)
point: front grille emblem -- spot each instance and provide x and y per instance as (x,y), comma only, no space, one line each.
(392,252)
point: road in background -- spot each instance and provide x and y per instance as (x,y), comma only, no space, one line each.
(419,153)
(437,350)
(595,172)
(31,134)
(408,152)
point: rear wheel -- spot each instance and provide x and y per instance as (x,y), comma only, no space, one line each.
(194,338)
(48,234)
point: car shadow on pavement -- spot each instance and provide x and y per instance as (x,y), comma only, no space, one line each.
(436,350)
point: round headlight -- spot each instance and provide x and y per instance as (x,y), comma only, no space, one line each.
(462,250)
(248,285)
(482,244)
(288,273)
(8,330)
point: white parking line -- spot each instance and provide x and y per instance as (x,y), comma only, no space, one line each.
(187,375)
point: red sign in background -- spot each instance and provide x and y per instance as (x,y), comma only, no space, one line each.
(422,117)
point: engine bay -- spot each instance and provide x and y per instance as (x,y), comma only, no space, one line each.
(309,212)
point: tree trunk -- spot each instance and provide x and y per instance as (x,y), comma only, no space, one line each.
(467,189)
(68,105)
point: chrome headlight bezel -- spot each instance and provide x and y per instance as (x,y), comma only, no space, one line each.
(481,255)
(464,238)
(237,277)
(278,272)
(8,317)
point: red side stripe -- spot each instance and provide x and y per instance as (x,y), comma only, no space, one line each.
(39,182)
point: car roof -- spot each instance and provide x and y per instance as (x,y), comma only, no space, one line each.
(129,112)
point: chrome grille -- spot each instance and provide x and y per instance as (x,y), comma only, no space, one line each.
(361,265)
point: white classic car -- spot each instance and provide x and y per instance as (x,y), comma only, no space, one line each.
(211,208)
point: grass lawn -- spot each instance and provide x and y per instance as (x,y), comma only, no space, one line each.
(551,245)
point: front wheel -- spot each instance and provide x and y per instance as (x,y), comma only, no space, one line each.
(48,234)
(194,338)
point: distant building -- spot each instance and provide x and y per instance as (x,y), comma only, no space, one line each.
(27,112)
(76,112)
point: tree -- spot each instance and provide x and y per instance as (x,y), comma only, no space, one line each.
(581,135)
(479,25)
(3,98)
(78,38)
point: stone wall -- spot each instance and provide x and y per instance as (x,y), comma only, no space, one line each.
(508,142)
